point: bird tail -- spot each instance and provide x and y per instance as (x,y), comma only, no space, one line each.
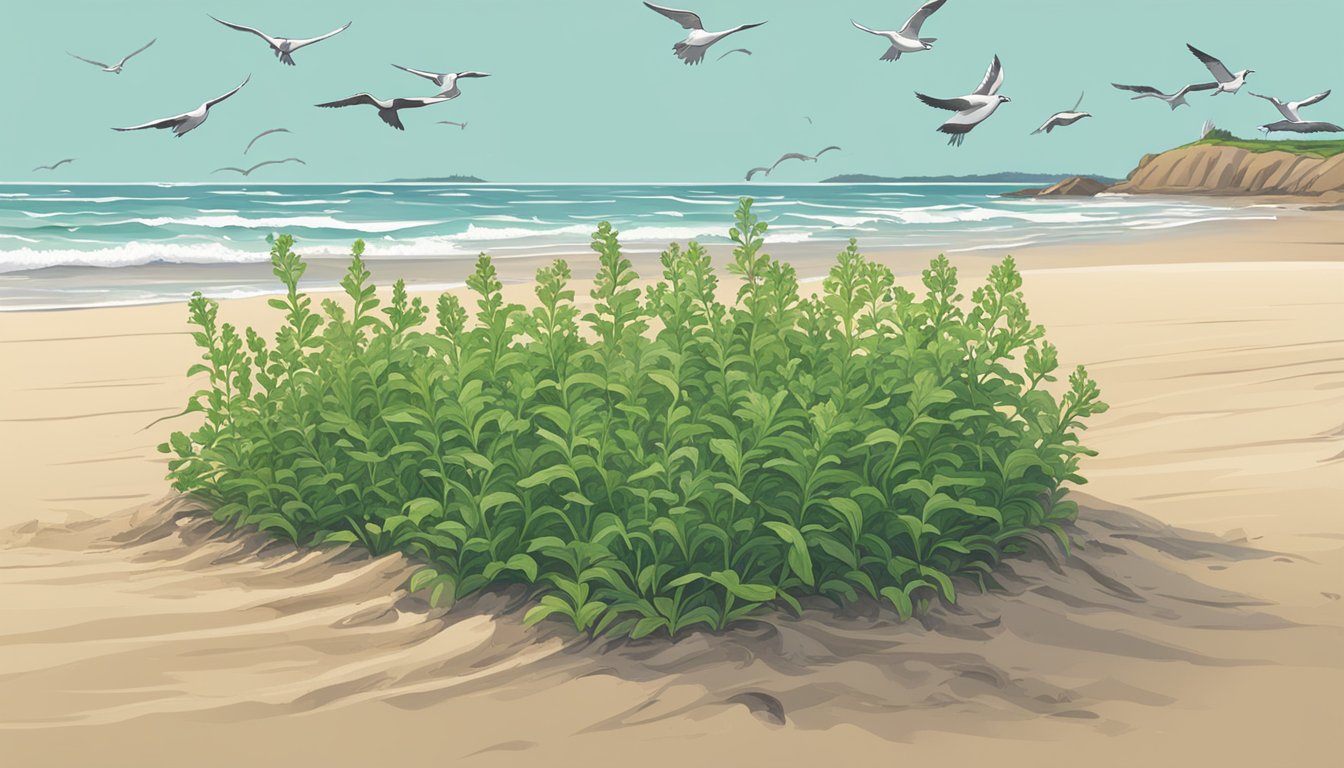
(1038,130)
(285,58)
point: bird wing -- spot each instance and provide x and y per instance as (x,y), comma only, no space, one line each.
(295,45)
(828,149)
(1196,87)
(165,122)
(417,101)
(218,99)
(736,50)
(90,61)
(912,25)
(1046,126)
(857,25)
(432,76)
(687,19)
(1216,67)
(272,162)
(1313,99)
(952,105)
(1279,105)
(993,79)
(231,168)
(350,101)
(1136,88)
(271,41)
(473,74)
(136,51)
(1080,102)
(1306,126)
(55,165)
(755,171)
(789,156)
(264,133)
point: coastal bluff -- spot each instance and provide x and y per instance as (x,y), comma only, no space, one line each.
(1219,169)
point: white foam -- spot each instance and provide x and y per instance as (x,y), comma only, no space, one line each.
(130,254)
(273,222)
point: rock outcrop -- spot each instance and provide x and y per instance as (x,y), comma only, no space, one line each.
(1074,186)
(1209,169)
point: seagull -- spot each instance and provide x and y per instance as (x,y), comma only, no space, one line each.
(54,165)
(1060,119)
(248,171)
(186,121)
(907,39)
(445,80)
(692,49)
(264,133)
(735,50)
(1289,109)
(973,109)
(387,110)
(1301,126)
(789,156)
(1173,100)
(284,47)
(463,126)
(755,171)
(808,119)
(115,68)
(1227,82)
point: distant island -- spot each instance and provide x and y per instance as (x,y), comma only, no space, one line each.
(440,180)
(1004,177)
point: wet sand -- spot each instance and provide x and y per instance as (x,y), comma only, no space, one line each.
(1198,619)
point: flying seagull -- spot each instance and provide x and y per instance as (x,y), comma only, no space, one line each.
(973,109)
(248,171)
(808,119)
(692,49)
(463,126)
(445,80)
(283,47)
(1301,126)
(1227,82)
(54,165)
(789,156)
(387,109)
(1173,100)
(115,68)
(735,50)
(755,171)
(186,121)
(1289,109)
(1060,119)
(264,133)
(907,39)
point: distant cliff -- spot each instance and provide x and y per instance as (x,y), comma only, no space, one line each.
(1241,168)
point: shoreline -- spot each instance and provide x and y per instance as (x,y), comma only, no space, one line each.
(1306,230)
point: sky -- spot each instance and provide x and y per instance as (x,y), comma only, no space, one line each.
(589,91)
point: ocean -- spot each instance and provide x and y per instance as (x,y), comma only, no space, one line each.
(82,245)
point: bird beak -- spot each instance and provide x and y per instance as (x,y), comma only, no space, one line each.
(1005,98)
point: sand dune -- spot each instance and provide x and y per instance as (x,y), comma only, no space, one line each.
(1205,627)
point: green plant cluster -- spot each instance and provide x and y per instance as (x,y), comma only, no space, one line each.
(664,460)
(1305,147)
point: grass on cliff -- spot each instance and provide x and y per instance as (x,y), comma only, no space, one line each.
(1308,147)
(863,443)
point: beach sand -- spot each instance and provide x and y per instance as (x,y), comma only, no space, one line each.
(1199,619)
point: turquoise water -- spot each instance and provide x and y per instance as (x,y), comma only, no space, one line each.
(88,245)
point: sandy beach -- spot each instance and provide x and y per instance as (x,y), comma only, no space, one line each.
(1200,617)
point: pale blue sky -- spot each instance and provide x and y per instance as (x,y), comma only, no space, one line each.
(588,90)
